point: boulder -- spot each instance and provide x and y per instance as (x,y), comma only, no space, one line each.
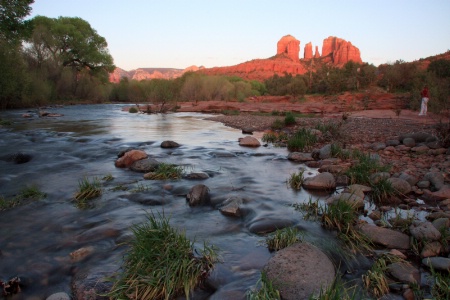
(169,144)
(198,195)
(436,179)
(424,231)
(351,198)
(59,296)
(19,158)
(409,142)
(404,272)
(196,176)
(388,238)
(231,206)
(325,152)
(400,185)
(265,225)
(300,157)
(299,271)
(322,181)
(431,249)
(145,165)
(412,180)
(249,141)
(437,263)
(129,158)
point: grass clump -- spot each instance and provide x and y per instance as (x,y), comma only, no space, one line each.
(295,181)
(274,137)
(26,194)
(5,122)
(301,140)
(165,171)
(161,263)
(336,291)
(277,124)
(289,119)
(87,190)
(365,166)
(266,290)
(382,190)
(330,128)
(230,112)
(282,238)
(375,280)
(441,285)
(339,152)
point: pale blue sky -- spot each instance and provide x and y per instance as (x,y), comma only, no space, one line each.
(178,34)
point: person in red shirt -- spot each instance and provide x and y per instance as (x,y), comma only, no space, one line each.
(425,94)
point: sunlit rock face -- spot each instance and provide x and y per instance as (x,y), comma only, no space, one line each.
(289,46)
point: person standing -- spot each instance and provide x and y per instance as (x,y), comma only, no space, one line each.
(425,94)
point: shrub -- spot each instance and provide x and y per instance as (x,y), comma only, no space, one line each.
(302,140)
(365,166)
(289,119)
(133,110)
(161,263)
(277,124)
(382,190)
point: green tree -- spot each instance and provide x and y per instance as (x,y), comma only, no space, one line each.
(12,14)
(440,67)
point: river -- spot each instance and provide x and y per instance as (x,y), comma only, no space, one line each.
(36,239)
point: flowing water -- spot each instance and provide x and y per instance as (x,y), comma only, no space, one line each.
(36,239)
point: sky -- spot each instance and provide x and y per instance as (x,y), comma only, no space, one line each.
(182,33)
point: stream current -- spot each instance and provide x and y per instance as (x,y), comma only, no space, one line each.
(36,239)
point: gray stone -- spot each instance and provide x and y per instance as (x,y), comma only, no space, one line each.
(435,178)
(58,296)
(198,195)
(169,144)
(300,271)
(404,272)
(392,143)
(386,237)
(412,180)
(431,249)
(249,141)
(231,206)
(409,142)
(378,146)
(352,198)
(322,181)
(197,176)
(423,184)
(441,223)
(437,263)
(418,137)
(420,149)
(424,231)
(325,152)
(300,157)
(145,165)
(400,185)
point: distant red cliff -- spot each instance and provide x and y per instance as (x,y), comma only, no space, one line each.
(149,73)
(335,51)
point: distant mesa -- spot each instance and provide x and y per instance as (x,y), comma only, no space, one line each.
(150,73)
(335,52)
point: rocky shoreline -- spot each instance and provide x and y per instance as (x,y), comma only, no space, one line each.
(419,171)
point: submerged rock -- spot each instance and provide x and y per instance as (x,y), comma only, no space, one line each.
(169,144)
(129,158)
(198,195)
(145,165)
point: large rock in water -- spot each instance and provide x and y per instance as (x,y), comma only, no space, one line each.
(300,271)
(129,158)
(322,181)
(198,195)
(249,141)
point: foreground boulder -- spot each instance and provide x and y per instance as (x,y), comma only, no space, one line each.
(145,165)
(129,158)
(169,144)
(300,271)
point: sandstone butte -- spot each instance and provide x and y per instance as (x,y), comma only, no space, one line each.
(335,51)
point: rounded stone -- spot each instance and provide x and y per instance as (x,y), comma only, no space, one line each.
(299,271)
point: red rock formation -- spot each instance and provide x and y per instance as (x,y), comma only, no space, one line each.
(340,51)
(316,53)
(308,51)
(290,46)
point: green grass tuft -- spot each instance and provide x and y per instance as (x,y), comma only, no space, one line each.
(133,110)
(161,263)
(289,119)
(165,171)
(266,290)
(301,140)
(87,190)
(282,238)
(295,181)
(28,193)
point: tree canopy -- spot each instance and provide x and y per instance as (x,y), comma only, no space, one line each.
(12,14)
